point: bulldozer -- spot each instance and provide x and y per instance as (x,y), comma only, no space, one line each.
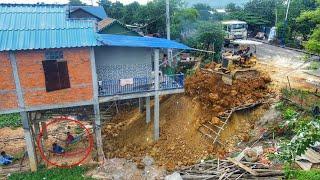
(239,62)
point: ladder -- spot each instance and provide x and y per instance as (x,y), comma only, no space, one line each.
(212,131)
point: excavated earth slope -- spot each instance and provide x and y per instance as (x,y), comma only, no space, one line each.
(128,136)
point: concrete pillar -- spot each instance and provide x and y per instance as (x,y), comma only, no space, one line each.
(24,114)
(156,97)
(97,128)
(29,141)
(148,112)
(97,118)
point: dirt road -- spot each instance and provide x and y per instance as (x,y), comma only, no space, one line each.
(282,63)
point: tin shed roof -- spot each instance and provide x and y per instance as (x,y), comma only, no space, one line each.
(97,11)
(29,26)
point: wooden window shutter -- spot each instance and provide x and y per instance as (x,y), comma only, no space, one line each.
(51,73)
(63,74)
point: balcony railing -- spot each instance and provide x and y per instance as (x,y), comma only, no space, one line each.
(136,85)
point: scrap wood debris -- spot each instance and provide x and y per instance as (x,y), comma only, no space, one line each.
(229,169)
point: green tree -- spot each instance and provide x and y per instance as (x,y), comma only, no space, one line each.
(203,10)
(209,36)
(131,13)
(232,7)
(313,44)
(265,9)
(76,3)
(183,23)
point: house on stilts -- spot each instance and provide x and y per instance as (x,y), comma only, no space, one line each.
(49,60)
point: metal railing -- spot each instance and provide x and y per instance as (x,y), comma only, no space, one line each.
(144,84)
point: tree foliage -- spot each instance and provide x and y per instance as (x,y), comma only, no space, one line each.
(150,16)
(204,11)
(183,23)
(313,16)
(76,3)
(209,36)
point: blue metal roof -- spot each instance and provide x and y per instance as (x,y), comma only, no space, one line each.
(27,26)
(97,11)
(134,41)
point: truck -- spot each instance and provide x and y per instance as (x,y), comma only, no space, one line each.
(234,30)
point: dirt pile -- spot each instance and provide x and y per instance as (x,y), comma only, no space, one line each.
(216,96)
(128,136)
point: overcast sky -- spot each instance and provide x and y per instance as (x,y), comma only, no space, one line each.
(66,1)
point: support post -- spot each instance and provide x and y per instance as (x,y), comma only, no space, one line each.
(23,114)
(36,128)
(44,130)
(141,105)
(97,122)
(148,112)
(156,97)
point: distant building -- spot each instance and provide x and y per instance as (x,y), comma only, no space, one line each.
(113,26)
(96,12)
(222,11)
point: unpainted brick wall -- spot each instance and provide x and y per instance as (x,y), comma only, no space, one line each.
(32,78)
(8,97)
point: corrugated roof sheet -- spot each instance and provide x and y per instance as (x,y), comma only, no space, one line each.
(134,41)
(97,11)
(27,26)
(105,23)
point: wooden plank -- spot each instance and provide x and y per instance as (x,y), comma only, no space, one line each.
(244,167)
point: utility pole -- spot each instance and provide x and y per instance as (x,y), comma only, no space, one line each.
(276,17)
(288,7)
(285,23)
(168,29)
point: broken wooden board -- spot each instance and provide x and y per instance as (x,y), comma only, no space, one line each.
(244,167)
(306,160)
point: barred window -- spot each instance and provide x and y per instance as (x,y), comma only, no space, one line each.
(53,54)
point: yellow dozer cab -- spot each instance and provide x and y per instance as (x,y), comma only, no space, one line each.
(240,61)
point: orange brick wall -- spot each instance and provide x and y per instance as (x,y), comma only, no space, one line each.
(32,78)
(8,97)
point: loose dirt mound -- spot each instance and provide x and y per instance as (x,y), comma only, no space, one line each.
(128,136)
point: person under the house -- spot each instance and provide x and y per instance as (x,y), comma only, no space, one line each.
(57,149)
(71,139)
(5,159)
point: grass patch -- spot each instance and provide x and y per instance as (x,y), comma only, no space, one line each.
(314,65)
(76,173)
(10,120)
(303,175)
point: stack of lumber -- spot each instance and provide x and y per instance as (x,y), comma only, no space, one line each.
(229,169)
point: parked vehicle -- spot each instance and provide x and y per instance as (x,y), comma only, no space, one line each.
(235,30)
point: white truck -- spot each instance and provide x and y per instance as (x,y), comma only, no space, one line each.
(235,30)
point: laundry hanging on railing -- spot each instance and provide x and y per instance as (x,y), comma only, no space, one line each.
(124,82)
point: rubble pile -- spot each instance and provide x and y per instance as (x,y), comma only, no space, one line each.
(216,96)
(180,142)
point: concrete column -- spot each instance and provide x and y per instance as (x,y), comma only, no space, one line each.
(148,112)
(141,105)
(97,119)
(156,97)
(29,141)
(23,114)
